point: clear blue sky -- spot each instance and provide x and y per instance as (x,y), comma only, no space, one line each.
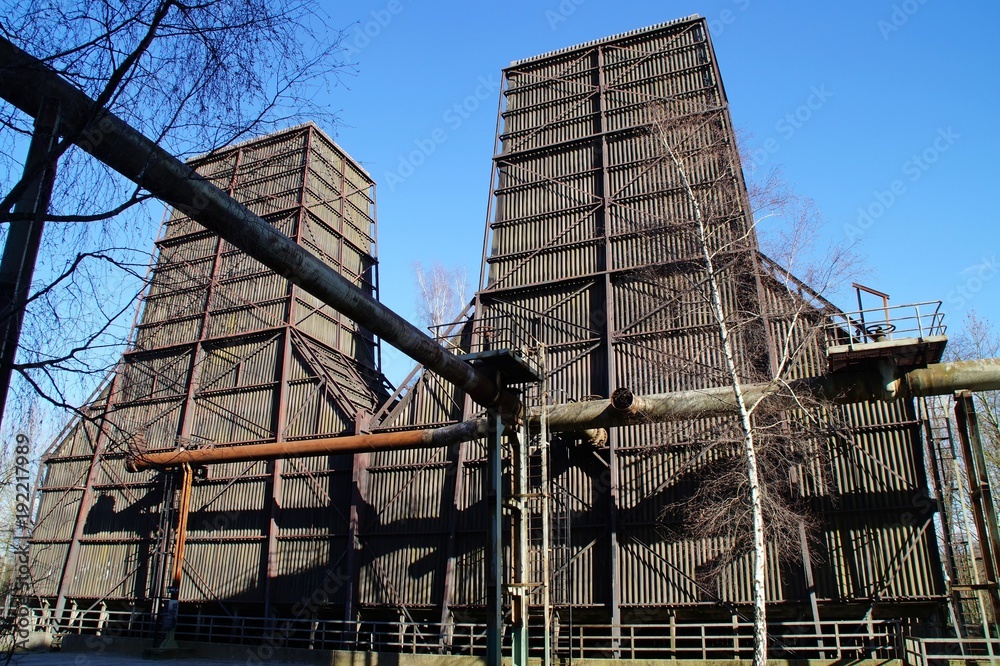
(889,81)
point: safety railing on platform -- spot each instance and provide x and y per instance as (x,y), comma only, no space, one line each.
(915,320)
(96,621)
(452,335)
(950,651)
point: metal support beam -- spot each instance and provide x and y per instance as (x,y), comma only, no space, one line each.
(606,291)
(494,546)
(520,552)
(101,438)
(983,509)
(27,82)
(24,238)
(543,453)
(169,618)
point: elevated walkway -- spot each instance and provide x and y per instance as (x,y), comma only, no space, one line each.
(912,336)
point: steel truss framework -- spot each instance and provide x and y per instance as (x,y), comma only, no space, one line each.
(582,258)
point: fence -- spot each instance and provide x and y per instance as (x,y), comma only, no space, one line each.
(948,651)
(669,640)
(734,640)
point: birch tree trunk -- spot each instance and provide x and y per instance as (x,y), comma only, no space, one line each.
(746,424)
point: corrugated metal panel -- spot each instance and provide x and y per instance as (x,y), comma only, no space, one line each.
(400,571)
(47,560)
(110,570)
(227,571)
(312,568)
(56,514)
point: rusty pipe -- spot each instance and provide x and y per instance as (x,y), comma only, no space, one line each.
(407,439)
(591,418)
(183,510)
(26,82)
(595,437)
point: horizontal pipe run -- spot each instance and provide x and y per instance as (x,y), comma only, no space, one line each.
(26,82)
(625,408)
(591,418)
(945,378)
(408,439)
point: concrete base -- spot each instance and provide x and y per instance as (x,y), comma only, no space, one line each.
(251,655)
(35,641)
(164,653)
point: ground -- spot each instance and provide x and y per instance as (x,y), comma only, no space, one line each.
(84,659)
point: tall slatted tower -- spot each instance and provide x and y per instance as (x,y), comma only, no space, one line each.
(226,353)
(590,253)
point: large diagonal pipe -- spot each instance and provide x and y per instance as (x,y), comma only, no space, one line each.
(624,408)
(26,81)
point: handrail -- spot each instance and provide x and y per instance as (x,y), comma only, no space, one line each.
(913,320)
(842,639)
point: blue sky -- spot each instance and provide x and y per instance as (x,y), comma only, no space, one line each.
(883,112)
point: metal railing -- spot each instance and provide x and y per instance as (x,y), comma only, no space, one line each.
(323,634)
(674,640)
(915,320)
(500,332)
(451,334)
(827,640)
(840,640)
(95,621)
(933,651)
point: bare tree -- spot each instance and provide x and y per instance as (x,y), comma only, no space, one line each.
(193,76)
(751,321)
(443,293)
(979,338)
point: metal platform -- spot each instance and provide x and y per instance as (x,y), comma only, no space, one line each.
(909,353)
(511,365)
(912,335)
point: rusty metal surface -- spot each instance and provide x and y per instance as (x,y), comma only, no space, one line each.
(944,378)
(571,242)
(408,439)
